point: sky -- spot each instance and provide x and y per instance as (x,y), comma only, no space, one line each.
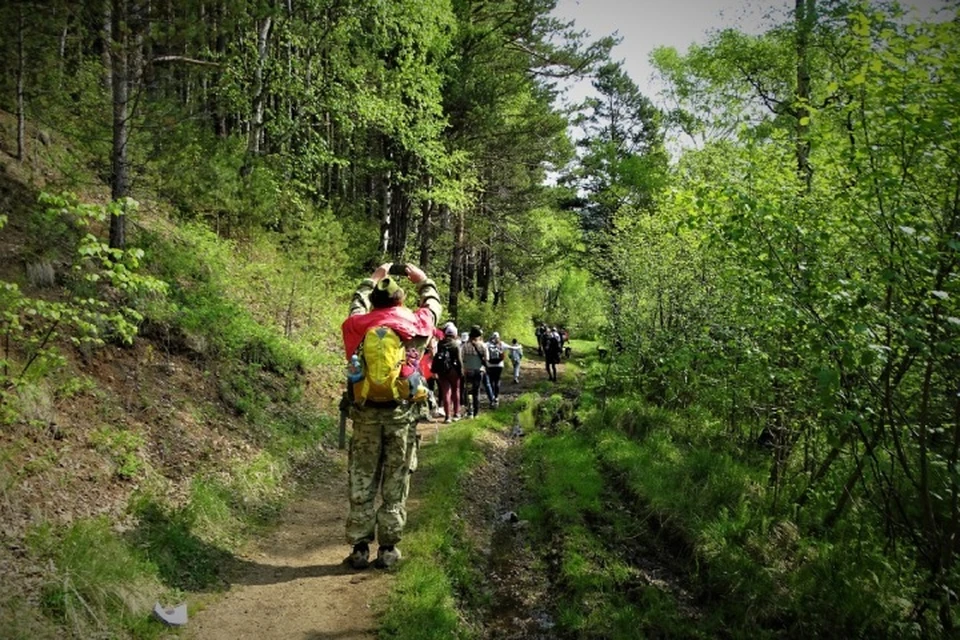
(646,24)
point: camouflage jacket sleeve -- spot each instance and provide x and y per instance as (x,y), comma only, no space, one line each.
(361,298)
(429,298)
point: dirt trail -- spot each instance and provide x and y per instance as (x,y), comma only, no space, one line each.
(293,584)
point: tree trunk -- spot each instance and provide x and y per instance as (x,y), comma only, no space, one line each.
(21,115)
(256,120)
(106,37)
(470,273)
(120,178)
(805,17)
(456,264)
(400,216)
(426,215)
(483,274)
(220,113)
(386,203)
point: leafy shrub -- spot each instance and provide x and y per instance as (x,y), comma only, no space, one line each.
(105,288)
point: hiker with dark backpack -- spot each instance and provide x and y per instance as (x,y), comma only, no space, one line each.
(551,348)
(448,371)
(387,401)
(473,355)
(495,354)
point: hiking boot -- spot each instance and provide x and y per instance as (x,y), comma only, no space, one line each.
(359,558)
(447,420)
(387,557)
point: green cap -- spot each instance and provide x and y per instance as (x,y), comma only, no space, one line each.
(388,285)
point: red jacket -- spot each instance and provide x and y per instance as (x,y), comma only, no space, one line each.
(405,322)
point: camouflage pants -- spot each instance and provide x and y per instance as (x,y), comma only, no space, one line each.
(383,454)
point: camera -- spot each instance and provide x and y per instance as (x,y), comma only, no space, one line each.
(398,269)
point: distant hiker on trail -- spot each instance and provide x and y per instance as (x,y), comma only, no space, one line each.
(565,343)
(473,355)
(426,369)
(389,339)
(551,348)
(495,354)
(448,371)
(516,355)
(540,332)
(464,339)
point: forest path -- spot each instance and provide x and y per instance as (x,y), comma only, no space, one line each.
(293,584)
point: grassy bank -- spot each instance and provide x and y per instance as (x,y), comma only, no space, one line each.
(657,527)
(437,573)
(152,424)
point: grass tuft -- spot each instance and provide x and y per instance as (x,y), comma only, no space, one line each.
(96,583)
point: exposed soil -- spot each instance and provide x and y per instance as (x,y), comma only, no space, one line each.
(521,602)
(294,585)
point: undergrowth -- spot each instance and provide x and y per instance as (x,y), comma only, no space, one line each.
(248,314)
(618,484)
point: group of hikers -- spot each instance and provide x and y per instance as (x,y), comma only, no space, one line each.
(398,360)
(462,365)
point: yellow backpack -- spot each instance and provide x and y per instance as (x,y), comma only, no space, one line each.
(383,355)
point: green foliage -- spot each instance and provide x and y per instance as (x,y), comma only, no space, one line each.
(510,318)
(105,290)
(123,447)
(714,505)
(817,309)
(578,304)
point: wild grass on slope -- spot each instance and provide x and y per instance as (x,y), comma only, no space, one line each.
(765,574)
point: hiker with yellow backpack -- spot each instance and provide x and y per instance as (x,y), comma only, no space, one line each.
(386,394)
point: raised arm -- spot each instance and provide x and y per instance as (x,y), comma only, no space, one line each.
(360,303)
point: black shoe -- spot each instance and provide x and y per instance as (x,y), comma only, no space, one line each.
(359,558)
(387,557)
